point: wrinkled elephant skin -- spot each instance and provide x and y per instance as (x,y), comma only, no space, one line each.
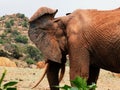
(91,38)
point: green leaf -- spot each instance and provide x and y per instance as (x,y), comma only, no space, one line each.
(74,88)
(80,83)
(3,76)
(93,86)
(65,87)
(11,83)
(11,88)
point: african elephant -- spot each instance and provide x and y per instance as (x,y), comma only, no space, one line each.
(90,37)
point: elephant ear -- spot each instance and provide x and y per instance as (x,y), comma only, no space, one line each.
(39,22)
(41,33)
(42,12)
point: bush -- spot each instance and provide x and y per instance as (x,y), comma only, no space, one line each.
(3,36)
(15,33)
(13,49)
(30,61)
(79,84)
(1,41)
(3,53)
(11,22)
(19,15)
(21,39)
(34,53)
(8,30)
(24,24)
(8,24)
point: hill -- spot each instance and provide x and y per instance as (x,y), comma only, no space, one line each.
(14,40)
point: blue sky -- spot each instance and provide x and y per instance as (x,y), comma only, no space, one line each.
(28,7)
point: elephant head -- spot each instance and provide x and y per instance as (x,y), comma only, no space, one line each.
(48,33)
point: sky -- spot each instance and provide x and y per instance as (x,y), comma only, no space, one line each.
(29,7)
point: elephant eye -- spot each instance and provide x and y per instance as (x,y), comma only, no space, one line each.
(32,25)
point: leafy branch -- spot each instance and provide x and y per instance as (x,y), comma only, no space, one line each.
(78,84)
(7,86)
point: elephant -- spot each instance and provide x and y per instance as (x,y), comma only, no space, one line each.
(90,37)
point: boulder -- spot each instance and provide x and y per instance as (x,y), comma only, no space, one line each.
(40,64)
(7,62)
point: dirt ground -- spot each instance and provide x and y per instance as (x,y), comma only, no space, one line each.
(27,77)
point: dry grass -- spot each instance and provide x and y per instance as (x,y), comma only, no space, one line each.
(28,77)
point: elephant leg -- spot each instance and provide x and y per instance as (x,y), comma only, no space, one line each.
(52,75)
(53,72)
(93,75)
(78,55)
(79,64)
(82,71)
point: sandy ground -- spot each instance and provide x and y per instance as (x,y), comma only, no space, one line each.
(27,77)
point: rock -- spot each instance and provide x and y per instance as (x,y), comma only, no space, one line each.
(7,62)
(21,64)
(33,66)
(41,64)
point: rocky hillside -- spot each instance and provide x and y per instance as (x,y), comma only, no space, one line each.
(14,40)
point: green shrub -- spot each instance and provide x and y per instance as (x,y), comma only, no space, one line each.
(11,22)
(7,86)
(8,30)
(19,15)
(21,39)
(3,36)
(13,49)
(30,61)
(16,55)
(79,84)
(24,24)
(3,53)
(7,24)
(1,41)
(34,53)
(15,33)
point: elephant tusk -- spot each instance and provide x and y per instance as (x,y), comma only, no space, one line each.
(46,67)
(62,72)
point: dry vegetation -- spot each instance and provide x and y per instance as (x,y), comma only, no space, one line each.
(14,40)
